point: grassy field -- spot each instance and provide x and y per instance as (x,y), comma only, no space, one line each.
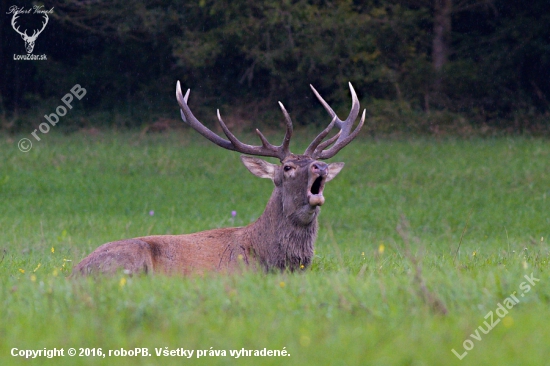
(411,229)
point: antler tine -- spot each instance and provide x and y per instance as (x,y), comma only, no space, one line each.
(340,143)
(234,144)
(16,28)
(286,141)
(185,98)
(44,24)
(327,107)
(190,119)
(315,149)
(266,149)
(316,141)
(330,141)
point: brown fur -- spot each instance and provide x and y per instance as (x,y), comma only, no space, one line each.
(282,238)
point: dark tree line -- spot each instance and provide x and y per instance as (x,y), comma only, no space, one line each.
(486,61)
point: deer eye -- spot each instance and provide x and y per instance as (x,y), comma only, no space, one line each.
(287,168)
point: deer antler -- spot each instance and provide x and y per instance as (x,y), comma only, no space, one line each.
(43,26)
(316,149)
(35,33)
(234,144)
(13,19)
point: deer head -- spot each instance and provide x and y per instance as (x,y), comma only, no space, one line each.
(283,237)
(299,179)
(29,40)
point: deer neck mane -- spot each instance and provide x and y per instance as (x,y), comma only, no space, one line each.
(279,241)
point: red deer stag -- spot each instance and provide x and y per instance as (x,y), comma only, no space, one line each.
(281,239)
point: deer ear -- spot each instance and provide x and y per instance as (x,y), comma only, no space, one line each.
(333,170)
(259,167)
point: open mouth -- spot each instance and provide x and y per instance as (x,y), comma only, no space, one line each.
(315,192)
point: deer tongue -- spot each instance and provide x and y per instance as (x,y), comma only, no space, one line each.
(316,200)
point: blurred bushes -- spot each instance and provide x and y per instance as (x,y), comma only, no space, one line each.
(243,56)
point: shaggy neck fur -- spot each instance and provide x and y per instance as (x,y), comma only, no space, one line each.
(280,241)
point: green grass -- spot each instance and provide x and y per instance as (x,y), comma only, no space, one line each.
(359,304)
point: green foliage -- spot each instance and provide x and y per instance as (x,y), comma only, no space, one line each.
(244,55)
(359,303)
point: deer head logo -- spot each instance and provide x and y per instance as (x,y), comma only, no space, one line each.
(29,40)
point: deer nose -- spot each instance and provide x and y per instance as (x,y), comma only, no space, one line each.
(319,168)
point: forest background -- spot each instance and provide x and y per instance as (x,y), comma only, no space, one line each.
(420,66)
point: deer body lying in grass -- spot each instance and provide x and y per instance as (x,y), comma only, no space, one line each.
(282,238)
